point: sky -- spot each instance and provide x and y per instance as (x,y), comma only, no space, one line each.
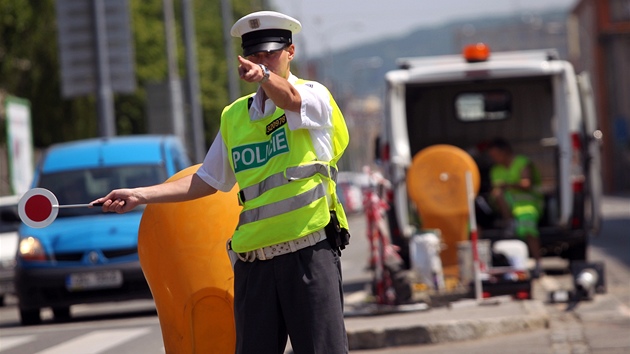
(335,24)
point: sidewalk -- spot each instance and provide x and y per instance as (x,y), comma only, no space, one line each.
(604,318)
(369,327)
(462,320)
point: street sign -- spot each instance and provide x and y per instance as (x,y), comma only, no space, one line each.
(37,208)
(78,47)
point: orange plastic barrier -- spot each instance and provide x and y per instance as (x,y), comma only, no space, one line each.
(182,253)
(436,182)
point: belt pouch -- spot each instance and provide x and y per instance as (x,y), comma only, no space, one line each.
(337,236)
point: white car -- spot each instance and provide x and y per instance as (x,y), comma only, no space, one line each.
(8,243)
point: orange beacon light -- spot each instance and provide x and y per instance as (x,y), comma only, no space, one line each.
(477,52)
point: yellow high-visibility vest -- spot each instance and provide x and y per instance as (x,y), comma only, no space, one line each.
(283,185)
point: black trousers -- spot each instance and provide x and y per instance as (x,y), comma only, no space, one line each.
(298,295)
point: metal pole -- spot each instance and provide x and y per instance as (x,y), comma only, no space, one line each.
(105,99)
(174,83)
(192,76)
(233,83)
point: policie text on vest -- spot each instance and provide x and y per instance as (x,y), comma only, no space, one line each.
(258,154)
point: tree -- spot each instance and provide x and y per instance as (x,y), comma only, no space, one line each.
(29,67)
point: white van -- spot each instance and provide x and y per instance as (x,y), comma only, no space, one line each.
(533,100)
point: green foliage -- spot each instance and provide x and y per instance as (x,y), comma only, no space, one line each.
(30,68)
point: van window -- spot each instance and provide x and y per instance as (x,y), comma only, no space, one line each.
(486,105)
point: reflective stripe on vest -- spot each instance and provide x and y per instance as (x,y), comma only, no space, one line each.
(282,206)
(282,178)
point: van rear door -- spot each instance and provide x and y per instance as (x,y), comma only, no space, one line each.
(592,146)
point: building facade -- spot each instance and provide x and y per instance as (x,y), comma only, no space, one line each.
(599,42)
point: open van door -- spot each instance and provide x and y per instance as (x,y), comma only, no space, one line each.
(592,149)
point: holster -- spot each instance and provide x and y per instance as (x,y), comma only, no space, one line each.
(337,236)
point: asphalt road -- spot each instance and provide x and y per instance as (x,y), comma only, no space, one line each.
(598,326)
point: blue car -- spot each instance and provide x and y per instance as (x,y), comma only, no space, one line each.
(85,255)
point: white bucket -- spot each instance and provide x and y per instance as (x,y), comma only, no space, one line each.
(515,250)
(424,253)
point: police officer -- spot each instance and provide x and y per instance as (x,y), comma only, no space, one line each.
(281,145)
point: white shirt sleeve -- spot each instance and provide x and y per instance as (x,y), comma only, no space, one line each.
(315,115)
(215,169)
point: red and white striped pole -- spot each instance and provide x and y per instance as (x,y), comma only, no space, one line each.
(473,235)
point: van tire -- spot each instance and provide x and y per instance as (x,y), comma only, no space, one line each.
(30,317)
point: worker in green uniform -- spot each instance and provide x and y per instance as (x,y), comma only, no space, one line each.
(516,194)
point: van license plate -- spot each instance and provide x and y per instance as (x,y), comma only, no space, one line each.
(94,280)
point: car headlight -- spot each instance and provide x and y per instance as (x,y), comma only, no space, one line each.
(31,249)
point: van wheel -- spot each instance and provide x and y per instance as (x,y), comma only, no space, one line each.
(30,317)
(577,252)
(61,314)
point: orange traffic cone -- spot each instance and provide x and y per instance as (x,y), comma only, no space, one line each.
(183,256)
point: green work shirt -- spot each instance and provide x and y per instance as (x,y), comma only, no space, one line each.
(501,175)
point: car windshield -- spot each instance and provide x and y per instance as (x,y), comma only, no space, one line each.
(84,185)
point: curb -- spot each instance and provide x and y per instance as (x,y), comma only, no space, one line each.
(445,331)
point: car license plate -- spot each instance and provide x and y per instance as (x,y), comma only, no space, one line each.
(94,280)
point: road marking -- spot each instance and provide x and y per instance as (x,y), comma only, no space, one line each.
(7,343)
(97,341)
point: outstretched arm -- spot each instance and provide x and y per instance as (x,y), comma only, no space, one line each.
(186,188)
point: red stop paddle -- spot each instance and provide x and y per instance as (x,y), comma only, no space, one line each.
(39,207)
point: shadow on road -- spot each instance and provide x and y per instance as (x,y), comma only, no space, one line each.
(614,239)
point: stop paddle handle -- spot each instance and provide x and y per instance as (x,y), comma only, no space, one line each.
(39,207)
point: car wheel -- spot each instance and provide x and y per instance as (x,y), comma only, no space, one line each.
(30,317)
(61,313)
(2,301)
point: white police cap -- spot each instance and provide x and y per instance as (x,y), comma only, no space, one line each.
(265,31)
